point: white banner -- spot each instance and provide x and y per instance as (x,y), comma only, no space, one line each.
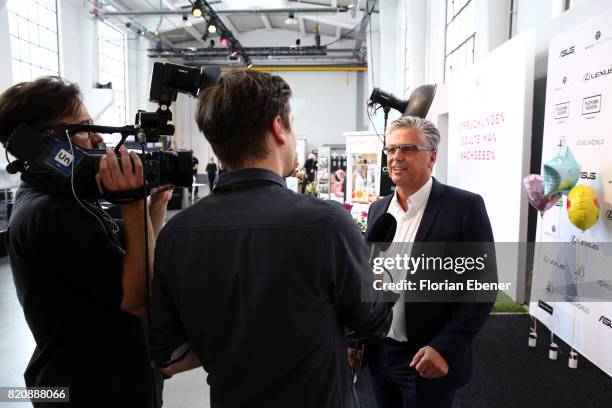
(578,115)
(489,142)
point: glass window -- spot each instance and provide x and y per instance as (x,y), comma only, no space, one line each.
(460,36)
(33,36)
(112,45)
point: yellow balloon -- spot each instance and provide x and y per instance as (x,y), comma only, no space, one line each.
(582,207)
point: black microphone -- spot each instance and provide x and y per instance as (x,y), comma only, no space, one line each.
(381,236)
(383,231)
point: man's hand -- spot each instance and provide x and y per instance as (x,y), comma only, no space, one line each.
(429,363)
(355,356)
(124,178)
(160,196)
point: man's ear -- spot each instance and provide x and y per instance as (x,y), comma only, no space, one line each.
(278,132)
(432,159)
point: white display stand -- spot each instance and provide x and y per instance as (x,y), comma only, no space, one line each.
(323,180)
(489,145)
(362,179)
(579,115)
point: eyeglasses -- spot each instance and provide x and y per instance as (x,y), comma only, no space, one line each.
(49,130)
(407,148)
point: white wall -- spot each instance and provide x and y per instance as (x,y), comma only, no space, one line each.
(5,47)
(548,20)
(323,103)
(79,57)
(492,29)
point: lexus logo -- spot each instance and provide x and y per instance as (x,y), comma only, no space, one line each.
(564,80)
(554,229)
(549,288)
(605,321)
(588,76)
(597,35)
(561,141)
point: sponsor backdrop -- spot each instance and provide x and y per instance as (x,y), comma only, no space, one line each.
(489,143)
(579,115)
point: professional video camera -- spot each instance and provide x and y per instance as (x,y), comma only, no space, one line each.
(53,163)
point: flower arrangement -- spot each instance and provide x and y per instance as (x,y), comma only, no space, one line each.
(311,189)
(361,221)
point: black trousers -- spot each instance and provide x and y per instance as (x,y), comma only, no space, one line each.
(211,180)
(396,384)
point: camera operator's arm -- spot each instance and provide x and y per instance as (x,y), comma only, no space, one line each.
(158,203)
(129,177)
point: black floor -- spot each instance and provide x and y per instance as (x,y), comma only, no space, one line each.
(509,374)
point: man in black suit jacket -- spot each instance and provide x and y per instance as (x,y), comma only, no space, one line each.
(427,353)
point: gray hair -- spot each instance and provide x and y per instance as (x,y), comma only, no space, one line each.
(428,132)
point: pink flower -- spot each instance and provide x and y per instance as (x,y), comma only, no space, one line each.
(364,214)
(348,206)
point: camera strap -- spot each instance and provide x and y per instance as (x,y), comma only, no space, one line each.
(127,196)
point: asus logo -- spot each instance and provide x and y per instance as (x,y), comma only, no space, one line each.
(587,175)
(567,52)
(606,321)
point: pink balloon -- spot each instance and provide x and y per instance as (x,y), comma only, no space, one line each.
(534,187)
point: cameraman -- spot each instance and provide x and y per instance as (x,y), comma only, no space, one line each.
(255,282)
(82,290)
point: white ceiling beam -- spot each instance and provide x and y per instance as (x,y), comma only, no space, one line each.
(228,23)
(338,32)
(330,21)
(302,26)
(195,34)
(266,21)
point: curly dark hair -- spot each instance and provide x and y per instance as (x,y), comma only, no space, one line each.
(39,103)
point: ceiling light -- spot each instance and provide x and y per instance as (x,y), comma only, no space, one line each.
(291,19)
(212,28)
(224,41)
(196,11)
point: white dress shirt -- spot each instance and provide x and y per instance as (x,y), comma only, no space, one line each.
(407,225)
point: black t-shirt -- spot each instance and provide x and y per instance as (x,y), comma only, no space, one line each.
(311,168)
(211,168)
(67,272)
(262,294)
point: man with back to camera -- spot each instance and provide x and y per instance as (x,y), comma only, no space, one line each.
(81,290)
(255,282)
(427,354)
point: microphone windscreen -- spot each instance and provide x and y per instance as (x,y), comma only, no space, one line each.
(383,230)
